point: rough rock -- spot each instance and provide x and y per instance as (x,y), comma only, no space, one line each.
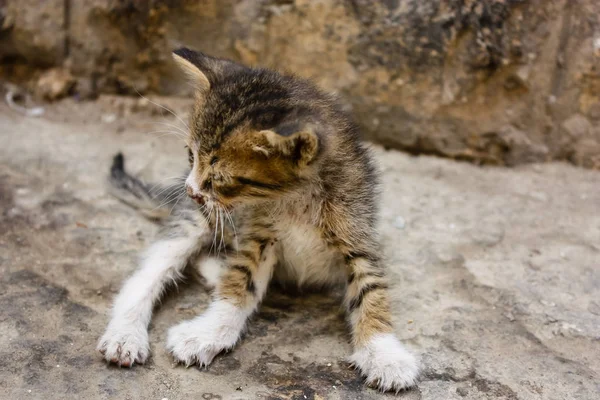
(33,31)
(435,77)
(495,278)
(55,83)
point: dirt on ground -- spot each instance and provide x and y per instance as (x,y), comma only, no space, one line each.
(495,274)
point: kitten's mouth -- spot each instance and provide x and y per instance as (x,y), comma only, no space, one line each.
(201,200)
(198,198)
(208,201)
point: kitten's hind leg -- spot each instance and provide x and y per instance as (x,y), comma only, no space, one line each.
(125,341)
(240,289)
(379,355)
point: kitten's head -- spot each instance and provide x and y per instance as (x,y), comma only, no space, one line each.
(254,134)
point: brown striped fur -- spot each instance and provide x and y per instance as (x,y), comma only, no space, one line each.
(263,141)
(287,187)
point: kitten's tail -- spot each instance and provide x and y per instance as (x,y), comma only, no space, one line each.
(152,202)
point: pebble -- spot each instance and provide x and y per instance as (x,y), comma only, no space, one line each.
(510,316)
(594,308)
(548,303)
(568,326)
(488,235)
(550,319)
(399,222)
(55,83)
(577,126)
(109,118)
(143,103)
(539,196)
(13,212)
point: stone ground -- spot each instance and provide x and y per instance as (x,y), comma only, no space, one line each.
(496,276)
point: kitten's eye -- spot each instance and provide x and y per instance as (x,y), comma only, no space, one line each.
(190,155)
(214,160)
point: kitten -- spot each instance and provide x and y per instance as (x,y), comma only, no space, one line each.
(280,187)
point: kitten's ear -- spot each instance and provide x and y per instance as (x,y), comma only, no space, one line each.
(202,69)
(187,60)
(302,147)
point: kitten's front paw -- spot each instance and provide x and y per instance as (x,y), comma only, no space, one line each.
(191,343)
(386,364)
(124,344)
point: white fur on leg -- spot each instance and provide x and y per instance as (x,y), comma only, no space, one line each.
(125,341)
(211,269)
(199,340)
(384,361)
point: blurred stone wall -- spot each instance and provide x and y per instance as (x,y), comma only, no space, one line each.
(490,81)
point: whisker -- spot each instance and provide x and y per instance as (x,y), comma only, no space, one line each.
(169,134)
(163,107)
(176,178)
(222,234)
(164,205)
(169,199)
(210,219)
(166,132)
(181,196)
(179,129)
(229,217)
(216,228)
(164,189)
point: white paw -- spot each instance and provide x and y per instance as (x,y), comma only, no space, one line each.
(198,341)
(124,344)
(386,364)
(189,346)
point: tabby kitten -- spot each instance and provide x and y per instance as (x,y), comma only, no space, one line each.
(280,188)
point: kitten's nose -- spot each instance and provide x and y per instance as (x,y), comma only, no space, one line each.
(189,190)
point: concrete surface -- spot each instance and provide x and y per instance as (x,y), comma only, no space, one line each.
(496,277)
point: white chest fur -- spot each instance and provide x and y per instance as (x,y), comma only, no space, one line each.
(304,257)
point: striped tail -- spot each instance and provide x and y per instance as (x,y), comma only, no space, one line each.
(150,201)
